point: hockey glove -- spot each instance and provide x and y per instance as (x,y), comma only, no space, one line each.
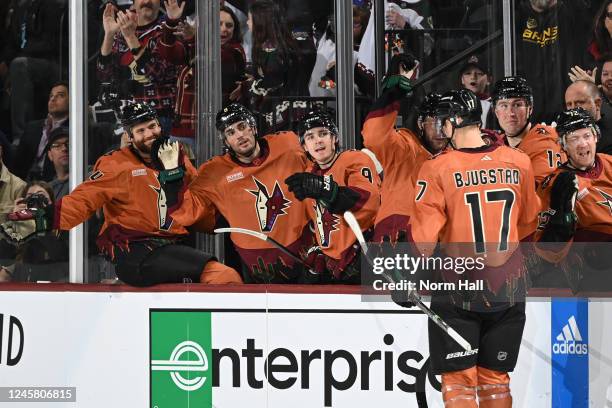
(308,185)
(562,224)
(25,224)
(406,62)
(397,82)
(166,156)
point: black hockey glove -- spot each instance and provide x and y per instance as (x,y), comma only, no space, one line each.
(561,225)
(404,61)
(308,185)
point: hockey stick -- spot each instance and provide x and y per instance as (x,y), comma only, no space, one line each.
(266,238)
(412,295)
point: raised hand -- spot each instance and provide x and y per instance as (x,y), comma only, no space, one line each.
(173,10)
(109,20)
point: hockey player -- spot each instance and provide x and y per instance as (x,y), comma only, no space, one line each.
(336,182)
(577,204)
(400,151)
(480,194)
(137,197)
(245,186)
(513,105)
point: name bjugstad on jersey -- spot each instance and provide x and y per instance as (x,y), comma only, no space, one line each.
(432,286)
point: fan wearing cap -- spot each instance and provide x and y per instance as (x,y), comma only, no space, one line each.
(58,155)
(513,106)
(577,197)
(337,181)
(245,186)
(480,194)
(137,196)
(401,151)
(476,77)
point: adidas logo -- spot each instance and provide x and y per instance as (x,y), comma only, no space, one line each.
(569,341)
(486,157)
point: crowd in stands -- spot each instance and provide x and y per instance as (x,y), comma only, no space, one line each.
(277,58)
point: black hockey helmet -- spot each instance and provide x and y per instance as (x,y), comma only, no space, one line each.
(461,103)
(575,119)
(135,113)
(428,106)
(234,113)
(314,119)
(512,87)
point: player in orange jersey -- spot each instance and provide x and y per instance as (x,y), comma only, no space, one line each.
(336,182)
(400,151)
(137,195)
(512,100)
(479,201)
(577,206)
(245,186)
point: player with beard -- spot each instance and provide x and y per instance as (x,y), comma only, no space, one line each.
(513,105)
(336,182)
(245,186)
(482,195)
(577,205)
(137,196)
(400,151)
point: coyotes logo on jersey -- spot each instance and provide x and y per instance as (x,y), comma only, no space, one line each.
(326,224)
(607,200)
(269,207)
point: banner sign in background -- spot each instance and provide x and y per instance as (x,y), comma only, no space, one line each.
(226,350)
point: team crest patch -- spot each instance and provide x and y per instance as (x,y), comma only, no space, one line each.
(326,224)
(234,177)
(269,207)
(607,200)
(139,172)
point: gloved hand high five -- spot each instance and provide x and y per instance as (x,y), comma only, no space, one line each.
(166,156)
(308,185)
(23,225)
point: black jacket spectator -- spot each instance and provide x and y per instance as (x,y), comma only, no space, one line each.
(39,21)
(547,45)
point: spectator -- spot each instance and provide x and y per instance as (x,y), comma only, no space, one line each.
(33,163)
(361,16)
(606,81)
(10,185)
(547,45)
(32,52)
(180,51)
(416,15)
(130,55)
(44,257)
(602,33)
(476,77)
(58,154)
(233,59)
(584,94)
(277,67)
